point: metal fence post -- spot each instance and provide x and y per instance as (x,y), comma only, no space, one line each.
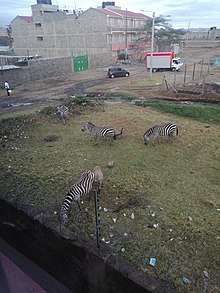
(97,217)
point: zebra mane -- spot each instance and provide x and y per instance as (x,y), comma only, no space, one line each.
(84,174)
(151,130)
(147,132)
(88,122)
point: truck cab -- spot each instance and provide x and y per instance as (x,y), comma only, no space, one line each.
(177,64)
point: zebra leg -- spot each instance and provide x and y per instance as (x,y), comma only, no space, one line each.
(156,137)
(170,137)
(95,140)
(111,140)
(78,203)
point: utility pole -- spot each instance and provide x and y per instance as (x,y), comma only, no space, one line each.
(187,36)
(152,47)
(126,34)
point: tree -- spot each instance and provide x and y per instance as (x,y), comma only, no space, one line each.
(4,41)
(164,35)
(9,32)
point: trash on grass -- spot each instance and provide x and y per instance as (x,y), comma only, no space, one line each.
(206,274)
(103,239)
(186,281)
(153,261)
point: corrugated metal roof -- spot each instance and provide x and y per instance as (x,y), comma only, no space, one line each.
(113,12)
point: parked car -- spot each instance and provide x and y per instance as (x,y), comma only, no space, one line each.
(117,72)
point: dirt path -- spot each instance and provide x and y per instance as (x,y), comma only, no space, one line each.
(95,82)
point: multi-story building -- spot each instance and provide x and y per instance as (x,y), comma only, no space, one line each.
(50,32)
(3,31)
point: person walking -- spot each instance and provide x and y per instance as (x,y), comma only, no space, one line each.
(7,87)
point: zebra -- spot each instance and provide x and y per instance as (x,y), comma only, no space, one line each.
(160,130)
(99,131)
(64,111)
(82,187)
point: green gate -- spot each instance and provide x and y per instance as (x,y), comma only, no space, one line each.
(80,63)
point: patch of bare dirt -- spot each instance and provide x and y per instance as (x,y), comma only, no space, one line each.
(95,82)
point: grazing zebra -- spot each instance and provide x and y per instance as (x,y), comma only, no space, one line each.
(160,130)
(98,178)
(64,111)
(99,131)
(82,187)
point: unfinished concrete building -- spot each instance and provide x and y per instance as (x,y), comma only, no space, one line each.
(102,33)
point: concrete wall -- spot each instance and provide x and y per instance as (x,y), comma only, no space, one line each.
(74,261)
(211,34)
(59,35)
(37,70)
(49,68)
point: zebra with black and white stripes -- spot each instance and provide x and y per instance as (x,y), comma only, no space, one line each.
(160,130)
(82,187)
(64,111)
(103,131)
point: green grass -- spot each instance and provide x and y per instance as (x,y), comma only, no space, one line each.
(202,112)
(121,95)
(179,182)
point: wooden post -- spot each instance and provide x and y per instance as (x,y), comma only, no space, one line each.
(172,87)
(194,68)
(174,82)
(202,62)
(184,79)
(164,79)
(203,85)
(208,69)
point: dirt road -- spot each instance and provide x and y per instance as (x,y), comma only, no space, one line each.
(96,82)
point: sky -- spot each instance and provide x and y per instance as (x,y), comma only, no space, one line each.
(182,13)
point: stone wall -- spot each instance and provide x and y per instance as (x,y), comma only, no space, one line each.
(74,261)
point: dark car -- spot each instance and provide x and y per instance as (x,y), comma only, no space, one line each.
(117,72)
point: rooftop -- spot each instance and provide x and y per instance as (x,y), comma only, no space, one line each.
(115,12)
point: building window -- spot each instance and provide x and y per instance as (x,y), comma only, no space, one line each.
(40,38)
(37,24)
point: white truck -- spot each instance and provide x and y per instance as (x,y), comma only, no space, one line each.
(163,61)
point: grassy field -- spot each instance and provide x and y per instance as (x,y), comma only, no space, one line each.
(173,189)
